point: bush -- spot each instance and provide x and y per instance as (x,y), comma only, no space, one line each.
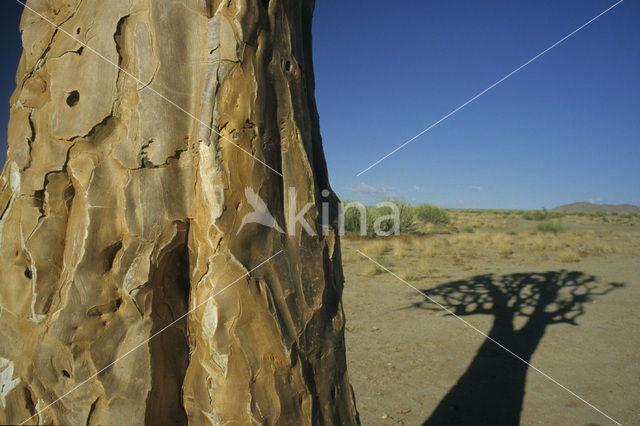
(543,214)
(552,227)
(408,223)
(428,213)
(467,228)
(351,217)
(410,217)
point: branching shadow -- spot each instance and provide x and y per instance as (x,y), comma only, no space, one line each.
(491,391)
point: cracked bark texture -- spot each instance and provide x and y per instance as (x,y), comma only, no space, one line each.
(120,213)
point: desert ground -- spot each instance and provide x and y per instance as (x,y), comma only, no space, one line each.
(563,297)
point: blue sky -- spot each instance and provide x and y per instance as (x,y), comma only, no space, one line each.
(566,128)
(11,47)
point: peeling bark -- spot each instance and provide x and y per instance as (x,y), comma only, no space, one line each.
(122,220)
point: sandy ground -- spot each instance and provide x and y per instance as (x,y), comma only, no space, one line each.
(410,362)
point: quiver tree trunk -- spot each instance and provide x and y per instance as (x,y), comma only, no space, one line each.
(123,198)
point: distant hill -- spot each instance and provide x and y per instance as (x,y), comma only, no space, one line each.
(584,206)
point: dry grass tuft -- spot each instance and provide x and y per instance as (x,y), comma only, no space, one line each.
(409,275)
(401,247)
(568,256)
(373,268)
(555,244)
(503,244)
(376,248)
(424,270)
(505,250)
(502,239)
(603,249)
(469,241)
(535,243)
(437,274)
(429,249)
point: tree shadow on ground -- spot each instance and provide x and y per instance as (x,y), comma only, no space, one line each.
(491,391)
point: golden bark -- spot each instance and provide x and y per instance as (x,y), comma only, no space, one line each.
(122,203)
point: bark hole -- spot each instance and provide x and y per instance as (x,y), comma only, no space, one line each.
(170,349)
(110,254)
(38,197)
(68,195)
(28,401)
(73,98)
(210,8)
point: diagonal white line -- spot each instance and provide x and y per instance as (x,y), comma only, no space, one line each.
(150,88)
(489,88)
(493,340)
(154,335)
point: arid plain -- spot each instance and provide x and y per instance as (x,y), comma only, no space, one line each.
(561,294)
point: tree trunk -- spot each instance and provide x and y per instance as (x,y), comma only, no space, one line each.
(123,198)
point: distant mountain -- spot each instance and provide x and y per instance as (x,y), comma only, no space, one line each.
(584,206)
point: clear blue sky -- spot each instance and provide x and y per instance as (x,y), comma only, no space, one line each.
(566,128)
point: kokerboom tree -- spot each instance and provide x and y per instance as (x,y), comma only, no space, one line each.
(129,292)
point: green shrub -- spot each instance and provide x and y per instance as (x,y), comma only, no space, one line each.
(552,227)
(543,214)
(410,217)
(428,213)
(373,214)
(352,217)
(408,223)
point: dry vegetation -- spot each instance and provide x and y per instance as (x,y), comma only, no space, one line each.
(474,241)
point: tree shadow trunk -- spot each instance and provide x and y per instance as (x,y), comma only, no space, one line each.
(491,391)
